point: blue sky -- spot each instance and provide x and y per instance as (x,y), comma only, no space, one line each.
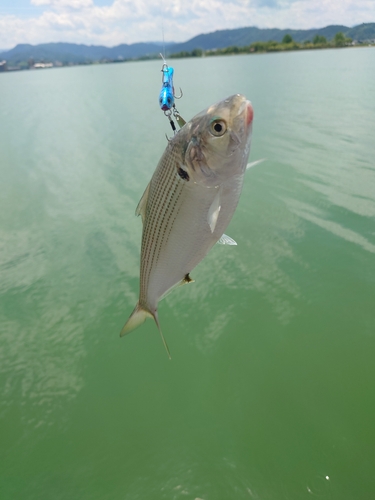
(111,22)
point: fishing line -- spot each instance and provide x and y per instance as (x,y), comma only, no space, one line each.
(167,94)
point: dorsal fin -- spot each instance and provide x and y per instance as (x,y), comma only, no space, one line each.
(141,207)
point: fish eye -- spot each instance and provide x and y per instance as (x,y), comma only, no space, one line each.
(218,128)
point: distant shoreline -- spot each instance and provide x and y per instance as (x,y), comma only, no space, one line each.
(287,44)
(272,46)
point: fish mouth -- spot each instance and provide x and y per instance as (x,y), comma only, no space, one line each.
(249,113)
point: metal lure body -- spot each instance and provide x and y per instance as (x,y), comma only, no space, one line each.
(166,96)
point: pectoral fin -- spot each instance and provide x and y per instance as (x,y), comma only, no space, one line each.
(214,210)
(253,163)
(226,240)
(141,207)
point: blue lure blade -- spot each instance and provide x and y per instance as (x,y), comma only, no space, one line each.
(166,96)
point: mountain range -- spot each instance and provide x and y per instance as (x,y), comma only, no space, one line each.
(71,53)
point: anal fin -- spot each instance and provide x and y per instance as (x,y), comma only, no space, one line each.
(185,281)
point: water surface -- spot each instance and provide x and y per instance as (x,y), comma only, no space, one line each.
(270,392)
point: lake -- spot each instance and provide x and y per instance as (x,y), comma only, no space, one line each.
(270,391)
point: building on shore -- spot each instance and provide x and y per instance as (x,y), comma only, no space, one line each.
(42,65)
(3,66)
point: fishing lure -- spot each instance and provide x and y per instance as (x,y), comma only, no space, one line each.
(167,96)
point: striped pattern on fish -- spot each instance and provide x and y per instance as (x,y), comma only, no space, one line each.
(190,200)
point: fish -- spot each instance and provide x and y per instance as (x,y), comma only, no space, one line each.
(190,200)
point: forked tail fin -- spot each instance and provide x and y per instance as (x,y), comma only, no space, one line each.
(137,317)
(155,316)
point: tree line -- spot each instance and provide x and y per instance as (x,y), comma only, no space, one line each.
(287,43)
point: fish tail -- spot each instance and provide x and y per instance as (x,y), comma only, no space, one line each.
(137,317)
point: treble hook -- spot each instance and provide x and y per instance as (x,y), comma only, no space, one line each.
(167,96)
(178,96)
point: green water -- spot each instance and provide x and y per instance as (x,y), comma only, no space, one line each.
(270,393)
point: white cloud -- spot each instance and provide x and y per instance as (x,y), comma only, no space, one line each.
(60,4)
(126,21)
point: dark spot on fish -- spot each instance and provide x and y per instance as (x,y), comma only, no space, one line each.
(187,279)
(184,175)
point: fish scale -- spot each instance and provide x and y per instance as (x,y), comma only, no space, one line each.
(160,212)
(190,200)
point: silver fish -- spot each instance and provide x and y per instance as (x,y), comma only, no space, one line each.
(190,200)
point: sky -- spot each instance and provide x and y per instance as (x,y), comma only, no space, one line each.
(111,22)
